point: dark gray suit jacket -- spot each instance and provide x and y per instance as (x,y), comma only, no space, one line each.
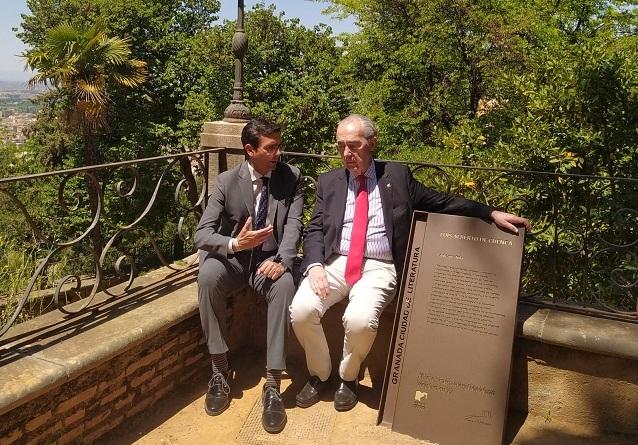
(400,194)
(232,201)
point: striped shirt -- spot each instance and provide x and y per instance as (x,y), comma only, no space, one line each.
(377,244)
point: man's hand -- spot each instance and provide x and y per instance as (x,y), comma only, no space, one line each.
(248,238)
(271,269)
(319,281)
(508,222)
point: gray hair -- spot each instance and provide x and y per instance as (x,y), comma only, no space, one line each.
(369,129)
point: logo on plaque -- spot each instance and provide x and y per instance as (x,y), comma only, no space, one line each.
(420,398)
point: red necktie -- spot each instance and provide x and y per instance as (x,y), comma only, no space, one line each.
(359,231)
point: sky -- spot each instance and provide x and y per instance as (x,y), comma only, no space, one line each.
(12,66)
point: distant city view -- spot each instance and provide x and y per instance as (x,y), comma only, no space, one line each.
(17,110)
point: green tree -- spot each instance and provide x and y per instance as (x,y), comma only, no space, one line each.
(85,64)
(292,76)
(190,81)
(542,85)
(143,121)
(450,81)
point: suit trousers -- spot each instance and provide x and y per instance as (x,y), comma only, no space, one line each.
(219,277)
(366,301)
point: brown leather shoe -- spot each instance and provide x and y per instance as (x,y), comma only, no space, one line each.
(309,394)
(274,416)
(346,395)
(217,398)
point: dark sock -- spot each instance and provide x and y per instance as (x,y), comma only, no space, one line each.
(220,363)
(273,378)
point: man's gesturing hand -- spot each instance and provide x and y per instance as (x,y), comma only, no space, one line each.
(319,281)
(508,222)
(248,238)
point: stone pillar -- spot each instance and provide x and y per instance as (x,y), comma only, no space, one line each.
(222,134)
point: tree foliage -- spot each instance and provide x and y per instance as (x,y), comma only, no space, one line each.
(190,71)
(543,85)
(83,65)
(538,85)
(189,67)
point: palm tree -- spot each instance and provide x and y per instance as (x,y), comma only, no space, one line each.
(84,64)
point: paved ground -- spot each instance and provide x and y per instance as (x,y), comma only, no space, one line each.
(180,419)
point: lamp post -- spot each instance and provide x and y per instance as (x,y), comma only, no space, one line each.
(237,111)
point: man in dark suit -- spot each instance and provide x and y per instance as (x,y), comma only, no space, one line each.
(355,247)
(248,234)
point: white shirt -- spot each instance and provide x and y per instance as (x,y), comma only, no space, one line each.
(257,182)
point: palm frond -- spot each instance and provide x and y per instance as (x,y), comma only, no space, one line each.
(63,33)
(94,41)
(36,59)
(91,91)
(130,74)
(89,114)
(84,63)
(116,50)
(61,41)
(38,79)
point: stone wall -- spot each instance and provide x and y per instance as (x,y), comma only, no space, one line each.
(83,409)
(71,379)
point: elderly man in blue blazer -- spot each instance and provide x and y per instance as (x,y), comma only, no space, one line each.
(354,248)
(248,234)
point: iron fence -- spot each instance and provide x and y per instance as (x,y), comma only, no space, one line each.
(581,254)
(95,224)
(102,222)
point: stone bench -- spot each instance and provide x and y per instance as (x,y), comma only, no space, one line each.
(65,378)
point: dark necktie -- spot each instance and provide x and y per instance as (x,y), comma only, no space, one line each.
(359,231)
(262,209)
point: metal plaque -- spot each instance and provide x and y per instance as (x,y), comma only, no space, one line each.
(448,372)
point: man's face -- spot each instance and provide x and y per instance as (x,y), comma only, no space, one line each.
(264,157)
(355,149)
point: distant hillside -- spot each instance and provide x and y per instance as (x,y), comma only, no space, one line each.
(14,85)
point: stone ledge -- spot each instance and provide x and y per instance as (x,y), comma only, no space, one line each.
(580,332)
(46,352)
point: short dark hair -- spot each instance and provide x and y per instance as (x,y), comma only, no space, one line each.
(255,128)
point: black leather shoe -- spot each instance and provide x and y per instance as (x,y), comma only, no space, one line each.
(274,417)
(309,394)
(217,398)
(346,395)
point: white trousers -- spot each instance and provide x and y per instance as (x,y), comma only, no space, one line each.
(366,301)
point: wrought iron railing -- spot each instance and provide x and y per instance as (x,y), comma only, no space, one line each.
(86,222)
(580,256)
(582,252)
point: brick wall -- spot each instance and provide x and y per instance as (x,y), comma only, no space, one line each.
(86,407)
